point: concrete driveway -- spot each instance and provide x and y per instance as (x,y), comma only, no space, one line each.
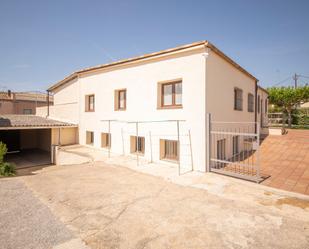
(110,206)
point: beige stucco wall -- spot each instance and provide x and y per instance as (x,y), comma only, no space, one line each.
(66,104)
(141,80)
(222,78)
(68,136)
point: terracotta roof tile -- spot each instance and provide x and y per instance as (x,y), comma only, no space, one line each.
(30,121)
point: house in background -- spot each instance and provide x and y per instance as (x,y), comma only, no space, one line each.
(155,106)
(22,102)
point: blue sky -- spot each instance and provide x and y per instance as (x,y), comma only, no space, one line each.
(43,41)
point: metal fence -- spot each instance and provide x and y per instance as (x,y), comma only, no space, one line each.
(234,149)
(142,141)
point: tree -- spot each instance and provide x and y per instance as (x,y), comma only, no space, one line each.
(288,98)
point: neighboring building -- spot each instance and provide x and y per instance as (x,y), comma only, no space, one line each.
(146,95)
(21,102)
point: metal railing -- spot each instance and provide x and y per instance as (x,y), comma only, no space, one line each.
(234,149)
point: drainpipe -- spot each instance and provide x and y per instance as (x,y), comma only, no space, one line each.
(205,55)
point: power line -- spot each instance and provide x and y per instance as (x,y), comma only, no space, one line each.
(280,82)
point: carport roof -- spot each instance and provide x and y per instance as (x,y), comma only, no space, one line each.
(12,121)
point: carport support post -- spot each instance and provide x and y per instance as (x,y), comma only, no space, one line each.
(59,136)
(178,147)
(137,143)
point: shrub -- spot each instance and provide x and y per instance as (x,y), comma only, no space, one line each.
(7,169)
(3,151)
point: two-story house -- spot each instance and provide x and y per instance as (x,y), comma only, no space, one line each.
(156,104)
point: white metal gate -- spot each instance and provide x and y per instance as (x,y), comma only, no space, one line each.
(234,149)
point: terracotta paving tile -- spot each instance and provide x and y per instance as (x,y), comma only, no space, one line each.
(286,159)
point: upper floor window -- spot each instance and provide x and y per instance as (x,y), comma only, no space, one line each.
(258,104)
(237,99)
(89,103)
(170,94)
(120,100)
(27,111)
(250,102)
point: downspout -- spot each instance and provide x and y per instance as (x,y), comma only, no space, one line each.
(205,55)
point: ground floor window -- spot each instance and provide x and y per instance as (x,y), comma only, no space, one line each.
(105,140)
(235,145)
(169,149)
(221,149)
(137,144)
(89,137)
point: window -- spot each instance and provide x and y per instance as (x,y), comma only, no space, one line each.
(170,94)
(137,145)
(120,100)
(238,99)
(221,149)
(261,105)
(105,140)
(235,145)
(250,102)
(89,137)
(266,105)
(89,103)
(169,149)
(258,104)
(27,111)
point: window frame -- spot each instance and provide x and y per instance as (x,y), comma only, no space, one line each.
(87,103)
(163,151)
(250,104)
(235,145)
(27,109)
(266,106)
(136,141)
(91,135)
(117,99)
(221,144)
(236,108)
(105,140)
(161,86)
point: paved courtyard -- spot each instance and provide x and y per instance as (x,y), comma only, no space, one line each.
(286,159)
(110,206)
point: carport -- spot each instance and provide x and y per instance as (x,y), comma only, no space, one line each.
(30,138)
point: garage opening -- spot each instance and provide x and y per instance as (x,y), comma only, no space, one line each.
(27,147)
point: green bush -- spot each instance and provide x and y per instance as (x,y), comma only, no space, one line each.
(3,151)
(6,169)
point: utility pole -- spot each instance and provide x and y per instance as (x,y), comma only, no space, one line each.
(295,78)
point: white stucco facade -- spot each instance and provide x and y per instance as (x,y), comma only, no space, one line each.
(208,82)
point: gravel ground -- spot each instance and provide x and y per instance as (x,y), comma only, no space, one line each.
(26,223)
